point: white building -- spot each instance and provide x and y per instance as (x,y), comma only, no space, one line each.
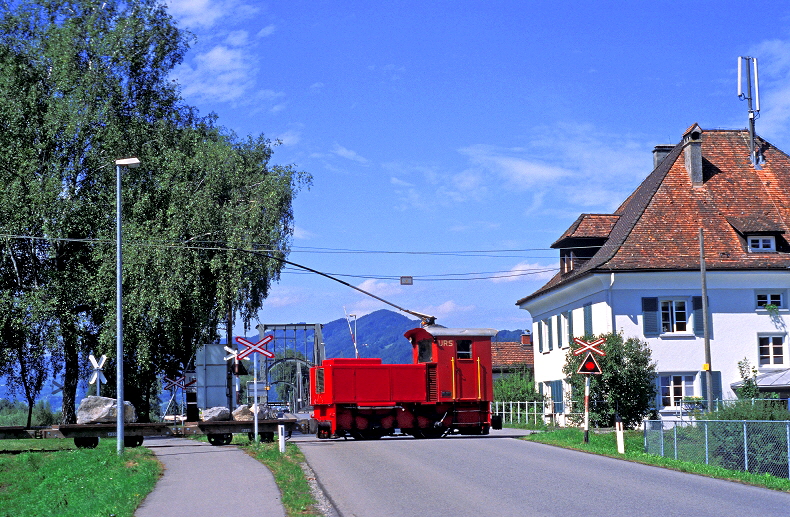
(637,271)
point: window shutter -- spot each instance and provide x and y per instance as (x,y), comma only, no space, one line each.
(696,306)
(540,337)
(650,325)
(570,328)
(559,331)
(556,396)
(718,392)
(588,323)
(550,333)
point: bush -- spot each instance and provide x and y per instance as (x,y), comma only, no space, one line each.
(516,386)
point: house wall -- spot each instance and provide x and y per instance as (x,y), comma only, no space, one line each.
(735,321)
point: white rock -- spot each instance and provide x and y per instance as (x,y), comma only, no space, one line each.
(101,410)
(216,414)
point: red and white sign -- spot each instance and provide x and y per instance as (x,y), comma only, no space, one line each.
(255,347)
(171,384)
(591,346)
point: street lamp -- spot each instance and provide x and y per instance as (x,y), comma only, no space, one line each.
(129,163)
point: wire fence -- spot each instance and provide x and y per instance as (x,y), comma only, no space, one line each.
(758,446)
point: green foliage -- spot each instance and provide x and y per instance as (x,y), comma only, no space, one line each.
(518,385)
(16,413)
(749,389)
(76,482)
(626,384)
(84,84)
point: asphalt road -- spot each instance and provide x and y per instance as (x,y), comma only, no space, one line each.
(500,476)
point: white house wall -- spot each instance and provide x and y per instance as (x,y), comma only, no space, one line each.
(735,322)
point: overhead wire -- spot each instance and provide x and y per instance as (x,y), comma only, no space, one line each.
(204,245)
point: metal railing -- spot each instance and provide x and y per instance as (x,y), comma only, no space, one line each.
(521,412)
(758,446)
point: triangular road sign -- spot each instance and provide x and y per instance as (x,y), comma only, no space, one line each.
(589,365)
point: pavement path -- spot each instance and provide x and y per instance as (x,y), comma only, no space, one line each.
(201,480)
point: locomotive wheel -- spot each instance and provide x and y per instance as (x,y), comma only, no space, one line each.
(86,442)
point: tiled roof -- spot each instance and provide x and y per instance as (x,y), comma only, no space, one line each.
(657,227)
(589,226)
(507,353)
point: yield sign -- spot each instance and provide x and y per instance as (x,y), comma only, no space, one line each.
(591,347)
(255,347)
(589,365)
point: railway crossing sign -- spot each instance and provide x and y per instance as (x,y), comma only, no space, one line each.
(179,382)
(255,347)
(592,346)
(98,375)
(58,387)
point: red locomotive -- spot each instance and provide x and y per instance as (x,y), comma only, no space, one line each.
(447,389)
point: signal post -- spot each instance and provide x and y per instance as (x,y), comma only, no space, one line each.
(588,367)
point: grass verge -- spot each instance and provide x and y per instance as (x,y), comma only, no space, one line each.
(76,482)
(295,492)
(288,474)
(606,445)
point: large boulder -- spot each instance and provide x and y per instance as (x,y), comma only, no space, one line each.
(103,410)
(244,413)
(216,414)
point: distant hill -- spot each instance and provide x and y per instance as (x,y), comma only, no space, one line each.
(379,334)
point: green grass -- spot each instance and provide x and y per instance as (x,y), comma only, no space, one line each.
(74,482)
(606,445)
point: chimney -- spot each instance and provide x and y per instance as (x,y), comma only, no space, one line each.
(526,338)
(692,153)
(660,152)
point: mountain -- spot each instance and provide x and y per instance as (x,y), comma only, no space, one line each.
(379,334)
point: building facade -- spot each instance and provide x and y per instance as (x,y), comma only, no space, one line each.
(637,271)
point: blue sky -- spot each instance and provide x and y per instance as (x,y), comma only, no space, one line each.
(453,141)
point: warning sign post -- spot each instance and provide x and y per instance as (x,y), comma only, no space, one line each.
(588,367)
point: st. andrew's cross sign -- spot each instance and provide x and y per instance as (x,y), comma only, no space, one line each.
(255,347)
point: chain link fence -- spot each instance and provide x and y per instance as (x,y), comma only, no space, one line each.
(757,446)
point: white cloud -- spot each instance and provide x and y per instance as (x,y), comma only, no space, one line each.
(446,309)
(380,288)
(526,271)
(207,13)
(341,151)
(302,234)
(266,31)
(285,299)
(400,183)
(290,137)
(238,38)
(222,73)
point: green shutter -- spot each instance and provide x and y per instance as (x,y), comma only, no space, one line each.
(650,325)
(588,321)
(570,327)
(696,305)
(551,334)
(540,337)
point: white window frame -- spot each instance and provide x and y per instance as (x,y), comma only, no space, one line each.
(761,243)
(767,356)
(678,386)
(764,297)
(673,321)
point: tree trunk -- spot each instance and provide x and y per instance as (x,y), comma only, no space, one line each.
(72,370)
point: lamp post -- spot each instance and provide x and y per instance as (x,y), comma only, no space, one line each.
(124,162)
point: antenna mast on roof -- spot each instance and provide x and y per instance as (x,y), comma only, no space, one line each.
(754,109)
